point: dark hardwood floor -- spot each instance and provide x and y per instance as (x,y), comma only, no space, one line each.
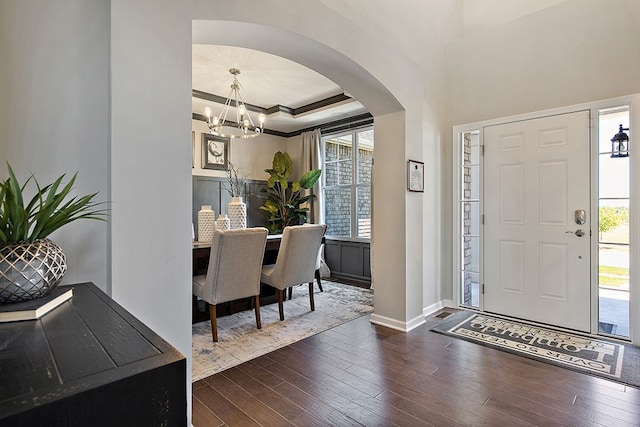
(363,374)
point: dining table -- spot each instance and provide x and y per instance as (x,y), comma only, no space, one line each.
(201,252)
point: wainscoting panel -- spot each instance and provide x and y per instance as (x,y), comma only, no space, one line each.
(348,259)
(210,190)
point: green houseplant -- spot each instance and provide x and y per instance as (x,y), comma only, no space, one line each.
(30,264)
(284,203)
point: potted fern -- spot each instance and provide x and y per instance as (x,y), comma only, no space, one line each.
(284,203)
(31,265)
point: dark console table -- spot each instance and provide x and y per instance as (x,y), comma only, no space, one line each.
(89,362)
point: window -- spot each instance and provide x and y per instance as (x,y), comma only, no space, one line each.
(348,157)
(469,199)
(613,227)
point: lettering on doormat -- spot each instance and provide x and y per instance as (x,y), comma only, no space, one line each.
(580,352)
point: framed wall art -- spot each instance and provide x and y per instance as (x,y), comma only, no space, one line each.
(415,176)
(215,152)
(193,149)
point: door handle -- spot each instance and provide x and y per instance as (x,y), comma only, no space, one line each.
(578,233)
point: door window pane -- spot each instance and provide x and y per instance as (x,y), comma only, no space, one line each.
(471,148)
(613,221)
(471,218)
(470,182)
(613,176)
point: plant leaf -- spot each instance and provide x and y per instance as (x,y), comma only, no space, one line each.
(310,178)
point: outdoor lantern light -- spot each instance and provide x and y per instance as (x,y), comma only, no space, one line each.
(620,144)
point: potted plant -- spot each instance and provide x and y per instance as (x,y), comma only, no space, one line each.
(284,203)
(236,209)
(31,265)
(234,181)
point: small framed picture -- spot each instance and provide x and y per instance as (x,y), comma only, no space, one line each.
(415,176)
(215,152)
(193,149)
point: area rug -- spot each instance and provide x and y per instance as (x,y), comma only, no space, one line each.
(604,358)
(240,341)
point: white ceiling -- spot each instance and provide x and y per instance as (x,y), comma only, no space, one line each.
(269,80)
(266,81)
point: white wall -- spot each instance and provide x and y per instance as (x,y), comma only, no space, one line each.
(54,111)
(151,167)
(563,55)
(575,52)
(252,155)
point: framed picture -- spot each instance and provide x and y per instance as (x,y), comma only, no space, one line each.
(415,176)
(215,152)
(193,149)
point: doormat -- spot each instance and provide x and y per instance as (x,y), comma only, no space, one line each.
(603,358)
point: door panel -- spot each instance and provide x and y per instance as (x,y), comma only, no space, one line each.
(536,174)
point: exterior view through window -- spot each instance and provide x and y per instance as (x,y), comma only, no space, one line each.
(348,160)
(613,227)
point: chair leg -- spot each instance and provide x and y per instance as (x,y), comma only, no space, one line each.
(280,303)
(319,281)
(257,307)
(214,322)
(290,292)
(313,304)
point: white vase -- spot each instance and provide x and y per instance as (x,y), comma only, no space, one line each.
(222,223)
(237,211)
(206,223)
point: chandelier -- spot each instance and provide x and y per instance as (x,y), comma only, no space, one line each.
(243,127)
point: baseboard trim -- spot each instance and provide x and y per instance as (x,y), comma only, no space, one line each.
(445,303)
(398,325)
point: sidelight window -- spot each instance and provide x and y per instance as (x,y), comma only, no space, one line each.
(613,227)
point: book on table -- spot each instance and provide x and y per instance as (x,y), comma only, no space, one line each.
(36,308)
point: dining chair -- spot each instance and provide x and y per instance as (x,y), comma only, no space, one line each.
(318,264)
(296,261)
(234,270)
(317,273)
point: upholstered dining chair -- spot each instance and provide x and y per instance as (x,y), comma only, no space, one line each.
(296,261)
(318,264)
(234,270)
(317,273)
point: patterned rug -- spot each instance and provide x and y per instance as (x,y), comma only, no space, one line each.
(240,341)
(600,357)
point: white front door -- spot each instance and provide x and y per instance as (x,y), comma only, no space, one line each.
(536,176)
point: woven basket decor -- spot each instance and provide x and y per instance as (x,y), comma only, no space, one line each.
(30,270)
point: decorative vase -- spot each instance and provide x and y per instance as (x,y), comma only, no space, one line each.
(237,211)
(30,270)
(206,223)
(223,223)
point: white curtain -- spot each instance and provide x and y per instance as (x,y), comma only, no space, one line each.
(312,158)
